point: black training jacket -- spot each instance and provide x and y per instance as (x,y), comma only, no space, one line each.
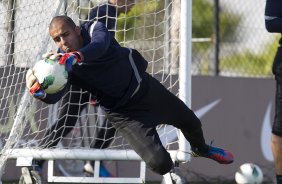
(110,72)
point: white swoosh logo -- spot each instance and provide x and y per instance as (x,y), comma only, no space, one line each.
(169,133)
(265,139)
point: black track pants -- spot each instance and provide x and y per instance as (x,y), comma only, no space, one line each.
(137,120)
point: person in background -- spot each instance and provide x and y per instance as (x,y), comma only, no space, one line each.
(273,24)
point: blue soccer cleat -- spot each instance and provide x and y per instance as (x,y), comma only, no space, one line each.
(217,154)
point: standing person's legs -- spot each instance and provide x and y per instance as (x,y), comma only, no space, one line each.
(69,111)
(105,131)
(104,136)
(276,139)
(67,118)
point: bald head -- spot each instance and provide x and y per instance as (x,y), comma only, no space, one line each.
(65,33)
(62,19)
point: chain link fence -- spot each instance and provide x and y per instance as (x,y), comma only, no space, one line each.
(230,39)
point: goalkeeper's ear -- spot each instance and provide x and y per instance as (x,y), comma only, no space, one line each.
(77,30)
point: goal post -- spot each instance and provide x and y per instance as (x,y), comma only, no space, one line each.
(185,80)
(148,26)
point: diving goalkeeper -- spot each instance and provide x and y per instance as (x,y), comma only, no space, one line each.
(133,100)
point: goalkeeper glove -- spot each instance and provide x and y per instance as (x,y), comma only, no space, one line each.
(69,59)
(33,85)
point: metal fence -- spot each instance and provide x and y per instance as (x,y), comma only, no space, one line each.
(230,39)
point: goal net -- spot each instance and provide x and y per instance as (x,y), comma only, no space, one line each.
(30,128)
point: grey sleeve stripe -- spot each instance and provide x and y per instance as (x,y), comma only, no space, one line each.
(90,31)
(269,17)
(136,73)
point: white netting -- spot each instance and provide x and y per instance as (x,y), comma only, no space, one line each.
(22,39)
(148,26)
